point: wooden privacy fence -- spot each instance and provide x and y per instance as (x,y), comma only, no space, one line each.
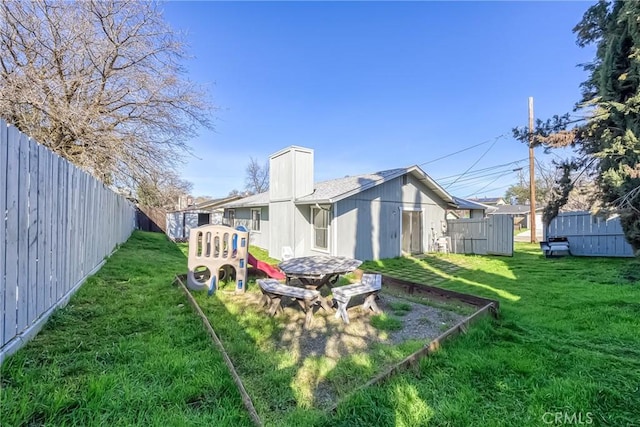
(151,219)
(590,235)
(491,235)
(58,224)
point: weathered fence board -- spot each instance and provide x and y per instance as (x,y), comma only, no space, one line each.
(11,229)
(32,237)
(468,236)
(590,235)
(491,235)
(22,294)
(3,207)
(500,235)
(41,213)
(49,297)
(57,224)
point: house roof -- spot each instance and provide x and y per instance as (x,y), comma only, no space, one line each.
(330,191)
(511,210)
(210,204)
(337,189)
(260,199)
(488,200)
(468,204)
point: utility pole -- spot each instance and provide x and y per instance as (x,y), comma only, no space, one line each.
(532,179)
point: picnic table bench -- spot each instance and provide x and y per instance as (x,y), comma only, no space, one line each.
(369,286)
(273,292)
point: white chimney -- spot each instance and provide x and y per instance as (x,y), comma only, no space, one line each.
(290,173)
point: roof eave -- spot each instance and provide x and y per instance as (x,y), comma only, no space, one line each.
(315,201)
(432,184)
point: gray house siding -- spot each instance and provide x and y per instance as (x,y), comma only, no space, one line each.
(368,224)
(256,238)
(281,227)
(417,196)
(367,220)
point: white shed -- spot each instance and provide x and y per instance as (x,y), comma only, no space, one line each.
(180,223)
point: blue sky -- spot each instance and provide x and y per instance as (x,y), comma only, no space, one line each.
(377,85)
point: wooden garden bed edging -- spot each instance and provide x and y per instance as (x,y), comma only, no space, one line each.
(433,292)
(246,399)
(487,306)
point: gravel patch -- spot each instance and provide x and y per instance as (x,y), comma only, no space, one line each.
(329,336)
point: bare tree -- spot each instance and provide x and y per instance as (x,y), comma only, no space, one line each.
(100,83)
(545,179)
(583,196)
(257,180)
(163,191)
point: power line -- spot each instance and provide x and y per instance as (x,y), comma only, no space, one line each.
(483,188)
(476,162)
(486,190)
(481,177)
(444,178)
(463,150)
(472,186)
(477,181)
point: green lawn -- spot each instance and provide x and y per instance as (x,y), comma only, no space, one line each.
(128,350)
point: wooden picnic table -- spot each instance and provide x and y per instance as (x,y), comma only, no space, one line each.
(319,270)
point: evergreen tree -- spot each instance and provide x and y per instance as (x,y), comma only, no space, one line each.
(607,140)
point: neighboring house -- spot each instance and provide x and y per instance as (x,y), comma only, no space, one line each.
(179,223)
(467,209)
(521,215)
(490,201)
(372,216)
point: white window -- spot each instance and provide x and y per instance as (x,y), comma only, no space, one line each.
(320,218)
(255,219)
(232,217)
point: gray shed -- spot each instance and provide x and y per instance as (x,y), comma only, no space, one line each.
(371,216)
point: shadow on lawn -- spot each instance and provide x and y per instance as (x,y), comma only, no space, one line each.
(435,269)
(291,373)
(287,388)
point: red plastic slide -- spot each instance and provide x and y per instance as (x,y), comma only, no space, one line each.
(269,270)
